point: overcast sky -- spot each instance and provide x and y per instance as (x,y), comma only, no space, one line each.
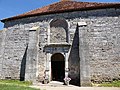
(10,8)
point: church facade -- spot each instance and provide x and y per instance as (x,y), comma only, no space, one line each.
(79,40)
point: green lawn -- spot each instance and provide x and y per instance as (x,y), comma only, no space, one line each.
(15,85)
(16,82)
(112,84)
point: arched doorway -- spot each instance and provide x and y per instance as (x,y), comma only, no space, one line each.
(57,67)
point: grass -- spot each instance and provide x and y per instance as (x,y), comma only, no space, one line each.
(16,82)
(112,84)
(15,85)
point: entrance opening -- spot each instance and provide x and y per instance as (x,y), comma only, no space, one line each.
(57,67)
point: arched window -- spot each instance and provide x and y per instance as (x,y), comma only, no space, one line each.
(58,31)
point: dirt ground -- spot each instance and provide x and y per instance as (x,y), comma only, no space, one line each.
(59,86)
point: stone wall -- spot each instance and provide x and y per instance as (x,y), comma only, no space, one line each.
(14,49)
(100,40)
(103,46)
(1,51)
(17,48)
(58,35)
(58,31)
(99,46)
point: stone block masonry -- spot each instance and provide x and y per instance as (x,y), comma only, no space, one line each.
(104,48)
(94,55)
(14,49)
(99,42)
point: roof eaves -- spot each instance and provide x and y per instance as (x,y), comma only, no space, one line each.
(117,5)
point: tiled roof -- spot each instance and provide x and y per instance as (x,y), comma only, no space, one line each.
(64,6)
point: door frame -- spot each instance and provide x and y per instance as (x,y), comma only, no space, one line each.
(52,59)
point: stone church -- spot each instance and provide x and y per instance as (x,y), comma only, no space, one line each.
(79,40)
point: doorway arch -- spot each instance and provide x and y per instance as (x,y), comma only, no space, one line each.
(57,67)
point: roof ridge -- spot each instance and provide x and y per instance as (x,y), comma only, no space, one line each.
(65,1)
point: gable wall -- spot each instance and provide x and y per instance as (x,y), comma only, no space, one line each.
(17,36)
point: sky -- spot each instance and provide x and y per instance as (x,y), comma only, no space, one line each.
(10,8)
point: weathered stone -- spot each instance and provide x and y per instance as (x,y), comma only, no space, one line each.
(93,54)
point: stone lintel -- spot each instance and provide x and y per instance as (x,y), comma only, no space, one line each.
(58,45)
(51,48)
(80,24)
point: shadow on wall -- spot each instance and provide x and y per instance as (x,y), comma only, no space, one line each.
(74,60)
(23,65)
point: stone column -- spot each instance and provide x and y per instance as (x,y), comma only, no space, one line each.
(48,35)
(49,62)
(66,79)
(66,65)
(47,70)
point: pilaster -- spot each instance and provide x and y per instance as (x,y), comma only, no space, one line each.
(84,63)
(32,55)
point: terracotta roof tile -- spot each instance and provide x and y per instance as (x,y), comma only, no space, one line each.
(64,6)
